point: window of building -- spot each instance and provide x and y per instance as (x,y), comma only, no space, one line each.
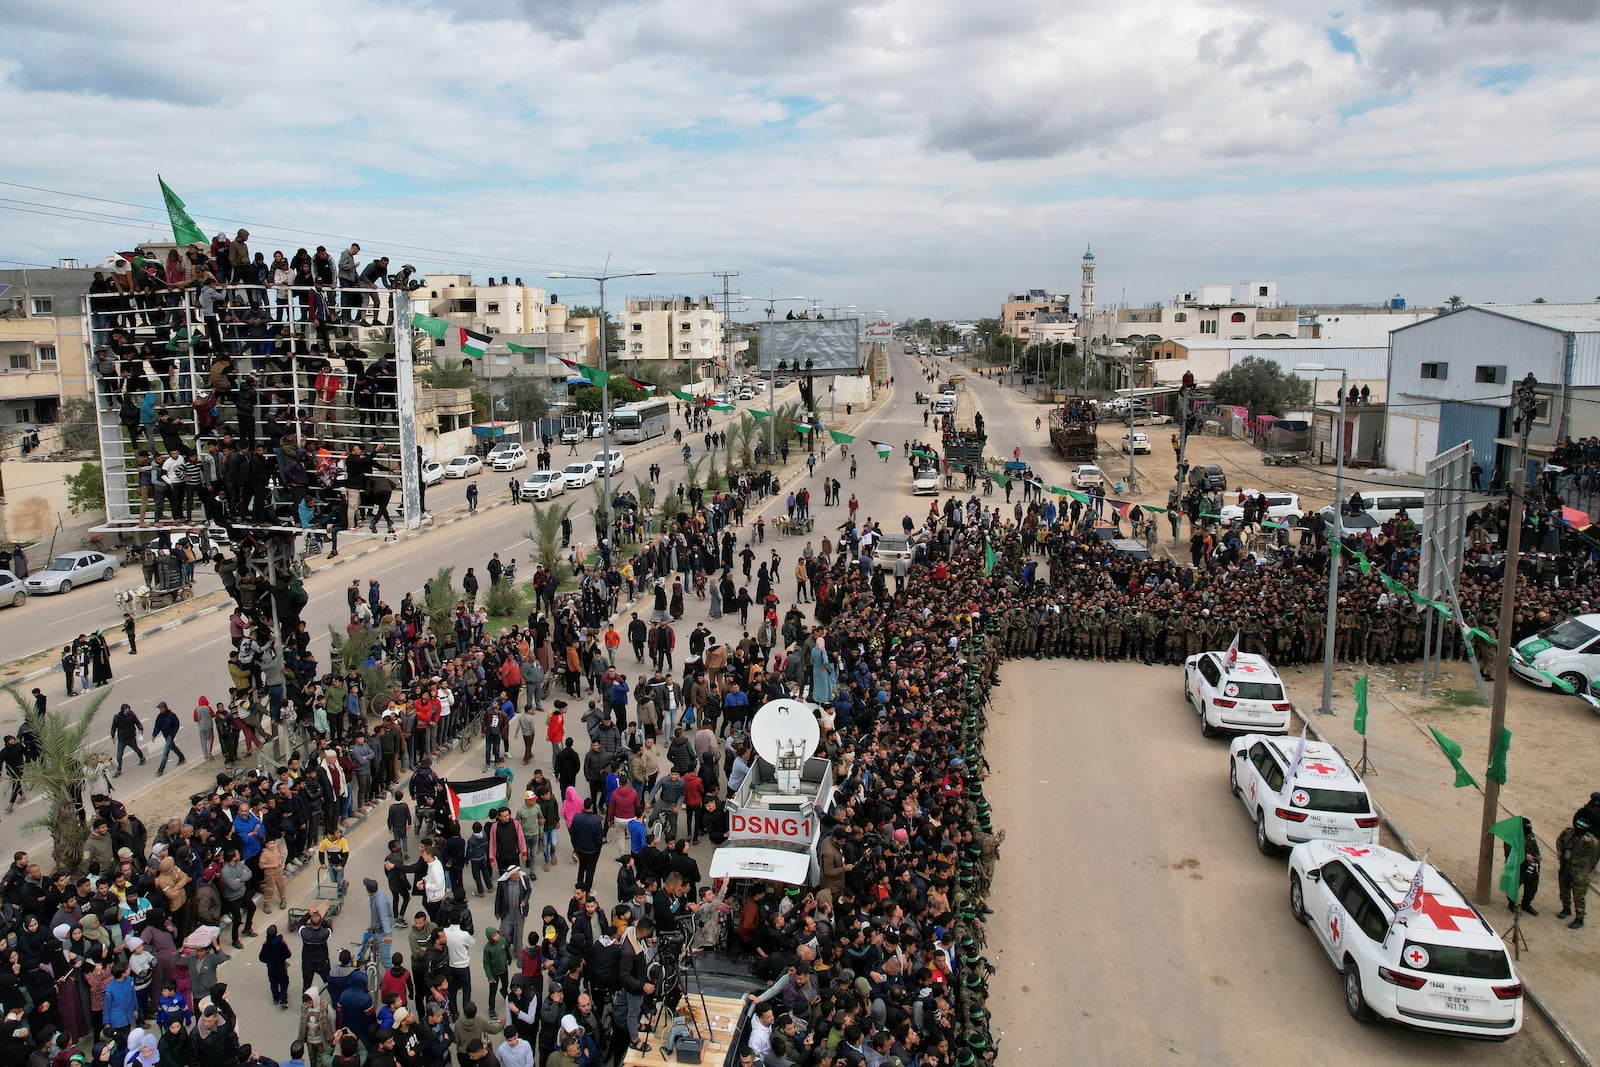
(47,354)
(1238,316)
(1020,315)
(43,305)
(684,346)
(1435,371)
(492,308)
(1490,375)
(21,361)
(638,346)
(638,327)
(1180,317)
(1261,290)
(1208,326)
(685,326)
(438,342)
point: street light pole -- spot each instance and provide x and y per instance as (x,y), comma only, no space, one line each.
(1526,400)
(605,374)
(1333,556)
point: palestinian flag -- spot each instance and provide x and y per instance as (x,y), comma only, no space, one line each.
(642,386)
(803,427)
(722,407)
(475,799)
(435,328)
(576,368)
(882,448)
(473,343)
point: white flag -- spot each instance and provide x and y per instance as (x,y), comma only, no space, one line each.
(1299,758)
(1233,652)
(1411,903)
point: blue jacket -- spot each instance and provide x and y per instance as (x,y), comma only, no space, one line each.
(251,833)
(121,1003)
(586,832)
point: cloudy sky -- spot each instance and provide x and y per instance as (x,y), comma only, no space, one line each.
(925,156)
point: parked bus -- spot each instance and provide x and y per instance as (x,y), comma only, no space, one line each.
(632,423)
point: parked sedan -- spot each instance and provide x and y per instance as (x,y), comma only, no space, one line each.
(432,472)
(12,589)
(542,485)
(1136,443)
(1086,475)
(463,466)
(578,475)
(70,569)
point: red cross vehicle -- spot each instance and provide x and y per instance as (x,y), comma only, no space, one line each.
(1444,969)
(1247,696)
(1326,801)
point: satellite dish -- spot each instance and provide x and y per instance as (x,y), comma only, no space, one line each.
(786,733)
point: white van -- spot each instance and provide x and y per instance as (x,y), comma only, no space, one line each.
(1569,650)
(1386,504)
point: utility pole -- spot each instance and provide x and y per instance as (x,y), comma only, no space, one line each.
(1526,400)
(727,339)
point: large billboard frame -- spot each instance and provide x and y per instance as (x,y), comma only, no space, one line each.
(811,346)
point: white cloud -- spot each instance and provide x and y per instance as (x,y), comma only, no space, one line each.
(924,155)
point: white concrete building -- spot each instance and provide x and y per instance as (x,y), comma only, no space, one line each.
(1359,324)
(1367,364)
(671,329)
(498,306)
(1451,377)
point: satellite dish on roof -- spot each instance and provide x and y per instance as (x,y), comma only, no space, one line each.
(786,732)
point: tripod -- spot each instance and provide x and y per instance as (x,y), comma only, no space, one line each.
(1514,936)
(675,960)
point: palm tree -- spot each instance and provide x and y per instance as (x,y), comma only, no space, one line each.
(713,477)
(748,434)
(1454,302)
(61,775)
(602,509)
(692,473)
(350,652)
(546,535)
(440,605)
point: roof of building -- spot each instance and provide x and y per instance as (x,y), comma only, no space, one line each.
(1315,343)
(1566,318)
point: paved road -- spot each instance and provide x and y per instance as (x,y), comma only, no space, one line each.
(1138,923)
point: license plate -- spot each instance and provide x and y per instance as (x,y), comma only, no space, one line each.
(1458,1004)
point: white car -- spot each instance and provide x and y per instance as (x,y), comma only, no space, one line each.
(1569,650)
(889,548)
(747,393)
(1327,801)
(925,482)
(1137,444)
(1280,507)
(578,475)
(463,466)
(13,590)
(70,569)
(613,459)
(1246,696)
(542,485)
(508,458)
(571,434)
(1086,475)
(1443,969)
(432,472)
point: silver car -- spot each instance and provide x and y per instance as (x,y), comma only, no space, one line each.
(12,589)
(70,569)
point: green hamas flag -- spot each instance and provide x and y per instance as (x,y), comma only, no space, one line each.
(429,325)
(988,559)
(840,437)
(999,479)
(1361,706)
(1497,757)
(758,414)
(524,350)
(184,231)
(1510,831)
(1452,752)
(681,395)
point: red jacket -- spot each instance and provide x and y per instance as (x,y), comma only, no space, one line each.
(510,673)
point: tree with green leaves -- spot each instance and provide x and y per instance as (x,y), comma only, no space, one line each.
(523,397)
(1454,302)
(1260,386)
(445,376)
(588,398)
(545,534)
(60,776)
(989,330)
(79,430)
(691,473)
(350,652)
(439,605)
(86,490)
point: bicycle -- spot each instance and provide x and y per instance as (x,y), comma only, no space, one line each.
(472,731)
(369,952)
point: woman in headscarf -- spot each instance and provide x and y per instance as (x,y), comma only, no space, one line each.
(571,804)
(32,942)
(143,1049)
(72,993)
(99,660)
(160,937)
(97,942)
(203,716)
(177,1046)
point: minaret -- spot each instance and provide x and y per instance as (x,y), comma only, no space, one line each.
(1086,302)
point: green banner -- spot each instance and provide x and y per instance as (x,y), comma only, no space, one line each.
(1361,706)
(1510,831)
(1452,752)
(840,437)
(1497,757)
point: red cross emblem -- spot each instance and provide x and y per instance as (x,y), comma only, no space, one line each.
(1333,928)
(1246,668)
(1351,850)
(1416,957)
(1443,916)
(1319,767)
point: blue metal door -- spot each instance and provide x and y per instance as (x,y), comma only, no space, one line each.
(1477,423)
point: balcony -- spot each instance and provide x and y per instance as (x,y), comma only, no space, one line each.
(28,384)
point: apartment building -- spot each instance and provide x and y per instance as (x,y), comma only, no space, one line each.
(674,329)
(42,359)
(1019,310)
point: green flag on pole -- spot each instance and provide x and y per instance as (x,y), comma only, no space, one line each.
(1497,756)
(184,231)
(840,437)
(597,376)
(429,325)
(1361,705)
(681,395)
(1452,752)
(988,559)
(1510,831)
(524,350)
(999,479)
(758,414)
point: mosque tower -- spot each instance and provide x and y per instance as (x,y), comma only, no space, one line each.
(1086,302)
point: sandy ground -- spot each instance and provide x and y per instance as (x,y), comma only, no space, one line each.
(1135,921)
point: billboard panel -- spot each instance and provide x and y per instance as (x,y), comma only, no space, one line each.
(833,346)
(879,328)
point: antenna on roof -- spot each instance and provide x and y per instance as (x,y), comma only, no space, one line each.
(785,733)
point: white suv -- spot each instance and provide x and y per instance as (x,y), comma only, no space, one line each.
(508,458)
(613,459)
(1280,506)
(1246,695)
(1326,801)
(1443,968)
